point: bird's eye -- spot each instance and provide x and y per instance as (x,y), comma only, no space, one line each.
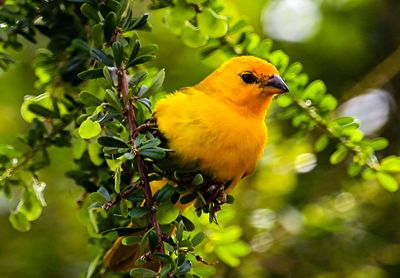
(248,78)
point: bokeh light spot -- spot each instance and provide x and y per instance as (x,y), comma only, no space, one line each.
(344,202)
(371,110)
(291,20)
(305,162)
(263,218)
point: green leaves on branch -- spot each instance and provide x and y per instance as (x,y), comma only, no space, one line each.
(209,25)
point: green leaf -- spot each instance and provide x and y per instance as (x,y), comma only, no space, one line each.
(89,99)
(284,100)
(118,52)
(197,2)
(293,70)
(197,180)
(114,5)
(137,78)
(185,267)
(167,213)
(95,153)
(93,266)
(42,111)
(110,23)
(113,100)
(165,193)
(192,36)
(188,198)
(101,56)
(391,164)
(379,143)
(140,22)
(155,84)
(123,231)
(263,48)
(134,51)
(131,240)
(148,49)
(143,273)
(103,191)
(314,91)
(198,238)
(138,212)
(112,142)
(97,35)
(117,179)
(212,24)
(343,121)
(354,169)
(149,144)
(97,197)
(19,222)
(387,181)
(230,199)
(339,155)
(154,153)
(279,59)
(328,103)
(140,60)
(90,12)
(89,129)
(188,225)
(90,74)
(321,143)
(179,231)
(81,44)
(31,206)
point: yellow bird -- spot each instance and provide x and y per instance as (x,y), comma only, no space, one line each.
(219,124)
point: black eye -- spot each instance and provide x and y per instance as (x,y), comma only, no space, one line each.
(248,78)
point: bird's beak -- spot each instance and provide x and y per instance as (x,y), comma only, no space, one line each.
(275,85)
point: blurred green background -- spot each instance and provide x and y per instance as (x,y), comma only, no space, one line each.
(298,216)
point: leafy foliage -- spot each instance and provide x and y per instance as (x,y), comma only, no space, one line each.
(101,55)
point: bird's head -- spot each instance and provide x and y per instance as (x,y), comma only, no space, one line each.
(246,82)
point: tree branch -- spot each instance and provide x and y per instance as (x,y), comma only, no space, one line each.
(130,115)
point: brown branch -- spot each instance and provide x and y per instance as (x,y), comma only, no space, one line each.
(147,125)
(121,195)
(379,76)
(130,115)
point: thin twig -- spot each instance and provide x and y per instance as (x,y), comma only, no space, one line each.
(379,76)
(130,115)
(26,157)
(121,195)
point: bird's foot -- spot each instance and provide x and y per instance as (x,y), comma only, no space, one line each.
(212,200)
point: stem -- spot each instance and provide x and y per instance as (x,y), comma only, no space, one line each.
(26,157)
(130,115)
(321,122)
(122,195)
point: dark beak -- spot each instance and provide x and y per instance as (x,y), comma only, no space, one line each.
(276,85)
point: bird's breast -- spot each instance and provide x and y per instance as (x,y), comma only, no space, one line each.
(220,139)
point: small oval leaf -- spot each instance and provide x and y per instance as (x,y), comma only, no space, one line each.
(89,129)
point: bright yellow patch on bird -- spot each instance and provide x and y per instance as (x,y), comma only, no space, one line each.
(219,123)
